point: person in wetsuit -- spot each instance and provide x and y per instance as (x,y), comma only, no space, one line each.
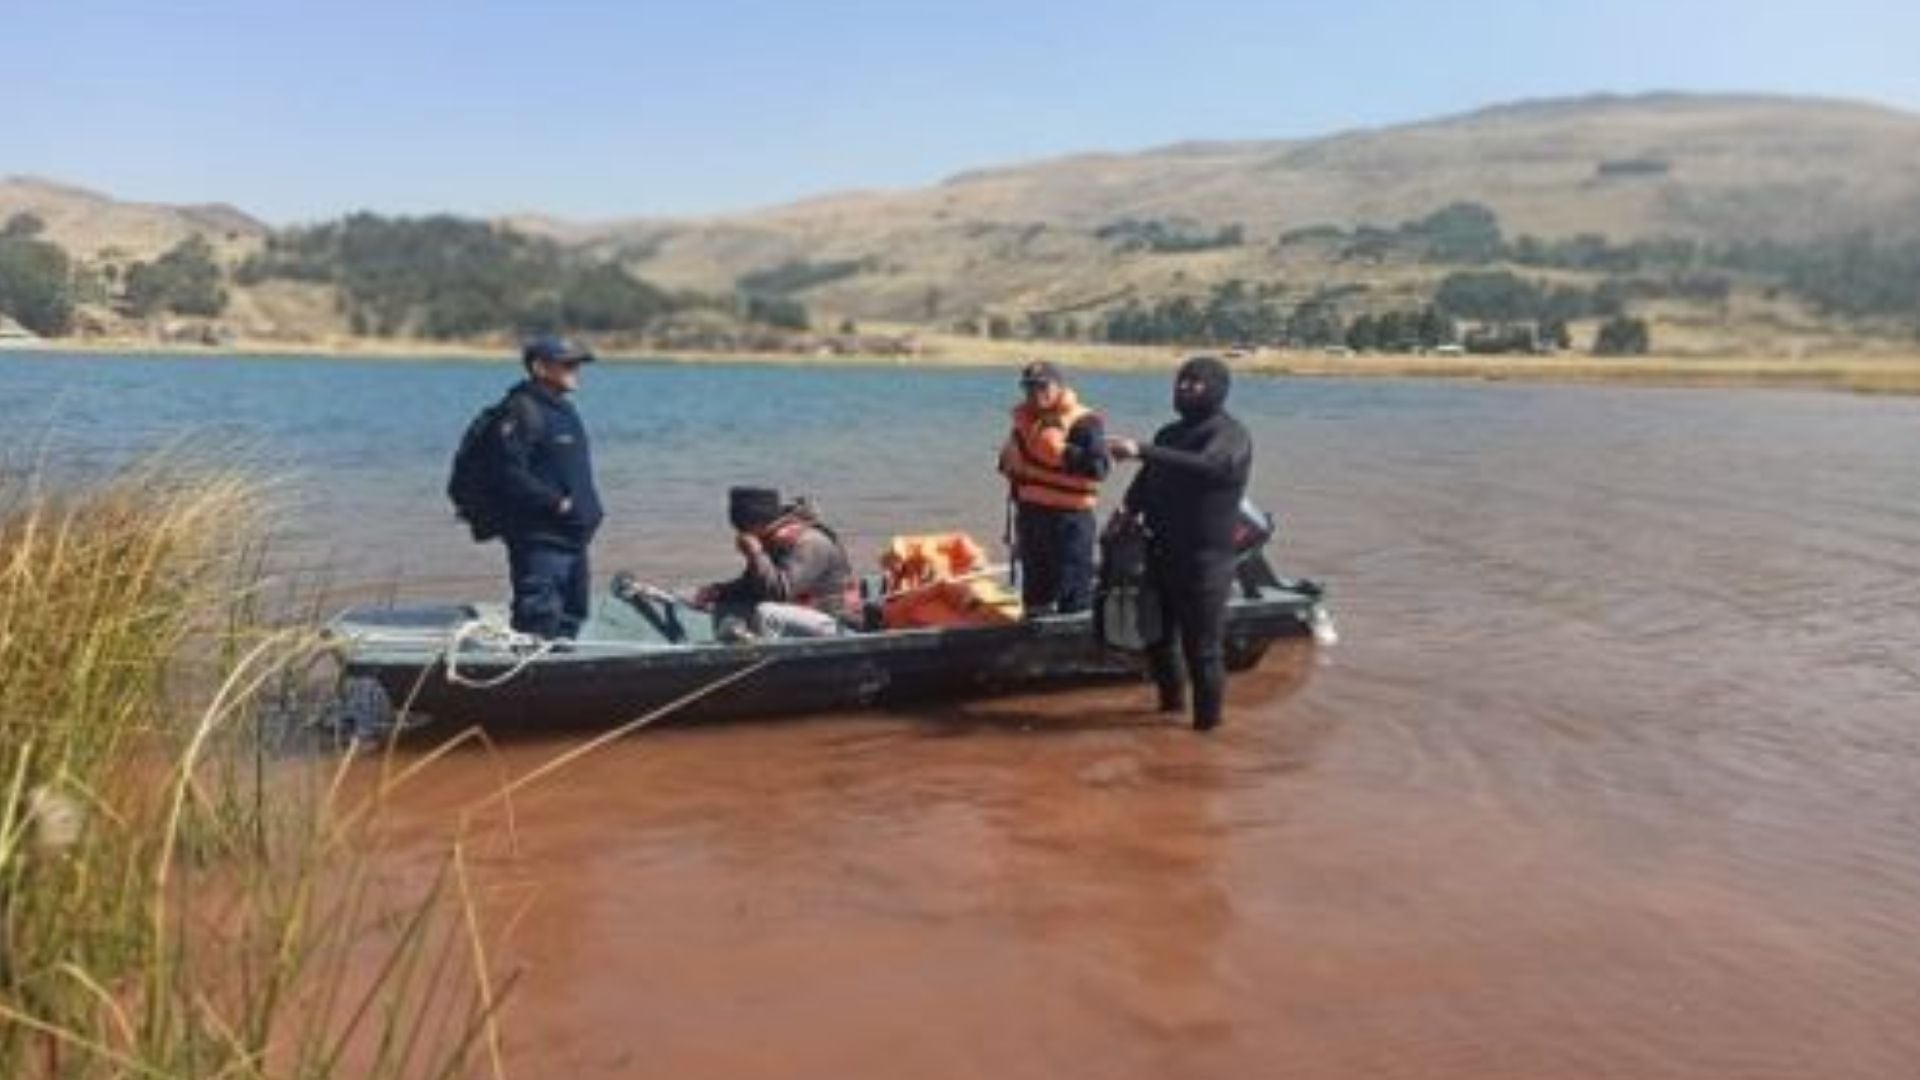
(1188,492)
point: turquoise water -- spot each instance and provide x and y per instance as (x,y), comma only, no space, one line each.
(362,446)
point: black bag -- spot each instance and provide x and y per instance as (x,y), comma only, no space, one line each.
(1126,608)
(473,484)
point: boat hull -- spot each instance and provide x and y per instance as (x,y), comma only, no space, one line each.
(590,687)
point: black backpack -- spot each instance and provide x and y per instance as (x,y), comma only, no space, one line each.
(473,484)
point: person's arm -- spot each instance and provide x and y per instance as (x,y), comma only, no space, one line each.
(767,578)
(1218,461)
(1086,450)
(520,485)
(803,570)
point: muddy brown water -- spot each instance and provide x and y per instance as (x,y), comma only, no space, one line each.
(1616,771)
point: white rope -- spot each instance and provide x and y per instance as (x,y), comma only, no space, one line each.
(531,649)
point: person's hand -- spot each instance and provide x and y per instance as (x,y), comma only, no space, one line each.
(1122,448)
(748,543)
(704,596)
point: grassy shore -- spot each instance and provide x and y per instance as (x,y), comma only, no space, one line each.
(178,898)
(1889,373)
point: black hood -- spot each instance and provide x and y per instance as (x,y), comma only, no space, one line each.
(1214,379)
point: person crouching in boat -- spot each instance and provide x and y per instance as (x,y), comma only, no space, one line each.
(1054,459)
(798,581)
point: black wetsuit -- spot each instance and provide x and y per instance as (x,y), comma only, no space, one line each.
(1189,490)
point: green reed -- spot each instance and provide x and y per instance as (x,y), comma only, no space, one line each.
(177,897)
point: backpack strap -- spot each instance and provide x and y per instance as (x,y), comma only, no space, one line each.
(520,405)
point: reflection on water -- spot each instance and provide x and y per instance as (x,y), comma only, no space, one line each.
(1614,773)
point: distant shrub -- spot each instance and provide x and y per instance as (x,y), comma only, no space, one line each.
(185,281)
(1623,336)
(1641,166)
(36,279)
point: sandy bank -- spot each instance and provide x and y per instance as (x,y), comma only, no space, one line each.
(1884,374)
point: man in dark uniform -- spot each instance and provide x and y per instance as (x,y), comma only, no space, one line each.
(1054,459)
(1189,488)
(550,509)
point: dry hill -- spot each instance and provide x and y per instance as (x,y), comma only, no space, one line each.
(1064,237)
(91,225)
(1716,168)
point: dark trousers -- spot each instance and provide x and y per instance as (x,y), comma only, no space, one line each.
(1056,558)
(550,588)
(1194,605)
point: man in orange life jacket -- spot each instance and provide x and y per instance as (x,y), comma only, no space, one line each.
(1054,459)
(798,581)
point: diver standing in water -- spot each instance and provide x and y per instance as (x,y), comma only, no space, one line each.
(1192,479)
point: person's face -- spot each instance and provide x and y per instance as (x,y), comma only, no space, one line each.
(561,375)
(1043,395)
(1188,391)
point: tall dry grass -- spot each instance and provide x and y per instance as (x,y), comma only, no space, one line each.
(178,898)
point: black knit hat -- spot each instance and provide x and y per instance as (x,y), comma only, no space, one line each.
(750,508)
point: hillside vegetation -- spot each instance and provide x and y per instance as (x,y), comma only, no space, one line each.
(1726,225)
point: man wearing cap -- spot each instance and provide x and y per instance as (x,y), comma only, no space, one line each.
(1054,459)
(545,486)
(1189,488)
(798,581)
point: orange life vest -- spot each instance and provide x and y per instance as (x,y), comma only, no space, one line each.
(1034,456)
(942,580)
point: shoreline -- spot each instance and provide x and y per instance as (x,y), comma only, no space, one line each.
(1897,374)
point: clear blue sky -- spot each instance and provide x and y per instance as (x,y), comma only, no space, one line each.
(593,110)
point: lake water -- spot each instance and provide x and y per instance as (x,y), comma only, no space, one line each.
(1616,772)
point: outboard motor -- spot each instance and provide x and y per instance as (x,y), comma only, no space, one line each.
(1251,531)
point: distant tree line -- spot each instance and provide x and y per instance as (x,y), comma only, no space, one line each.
(1509,313)
(1166,237)
(1234,312)
(798,274)
(41,286)
(1460,232)
(448,277)
(1856,275)
(1401,331)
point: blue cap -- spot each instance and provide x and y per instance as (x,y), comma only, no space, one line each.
(1040,373)
(555,347)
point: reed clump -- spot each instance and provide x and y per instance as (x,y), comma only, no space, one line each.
(177,896)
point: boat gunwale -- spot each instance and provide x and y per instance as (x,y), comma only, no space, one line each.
(360,656)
